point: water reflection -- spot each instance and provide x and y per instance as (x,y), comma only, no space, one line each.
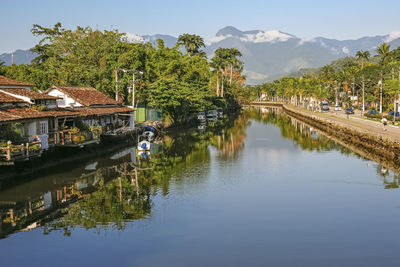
(119,189)
(115,192)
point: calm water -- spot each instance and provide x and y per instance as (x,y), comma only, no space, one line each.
(259,190)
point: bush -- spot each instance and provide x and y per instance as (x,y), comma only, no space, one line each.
(372,116)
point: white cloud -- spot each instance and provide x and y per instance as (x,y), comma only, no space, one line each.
(134,38)
(345,50)
(217,39)
(306,40)
(266,37)
(392,36)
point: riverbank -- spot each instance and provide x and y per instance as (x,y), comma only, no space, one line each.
(368,137)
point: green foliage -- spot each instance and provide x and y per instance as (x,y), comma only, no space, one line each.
(176,83)
(192,44)
(40,107)
(343,78)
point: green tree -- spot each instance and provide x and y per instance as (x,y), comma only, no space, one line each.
(192,44)
(383,52)
(363,55)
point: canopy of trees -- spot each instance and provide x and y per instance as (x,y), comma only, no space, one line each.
(344,78)
(175,82)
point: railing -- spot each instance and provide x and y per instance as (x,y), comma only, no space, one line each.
(11,153)
(73,137)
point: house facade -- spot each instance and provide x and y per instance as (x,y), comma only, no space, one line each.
(95,108)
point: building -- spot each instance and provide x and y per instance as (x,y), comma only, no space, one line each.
(95,108)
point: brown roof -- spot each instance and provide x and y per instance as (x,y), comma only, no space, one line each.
(20,113)
(102,111)
(28,93)
(5,98)
(8,81)
(12,114)
(87,96)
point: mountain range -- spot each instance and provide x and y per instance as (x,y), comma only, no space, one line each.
(267,55)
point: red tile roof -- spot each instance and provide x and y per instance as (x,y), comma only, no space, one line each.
(7,81)
(87,96)
(102,110)
(20,113)
(5,98)
(12,114)
(28,93)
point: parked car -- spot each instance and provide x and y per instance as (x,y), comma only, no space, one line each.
(391,113)
(325,106)
(338,108)
(349,111)
(373,112)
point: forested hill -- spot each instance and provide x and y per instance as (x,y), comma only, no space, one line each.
(267,55)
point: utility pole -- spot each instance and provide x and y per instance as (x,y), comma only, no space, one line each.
(133,89)
(336,94)
(363,96)
(116,85)
(133,83)
(352,84)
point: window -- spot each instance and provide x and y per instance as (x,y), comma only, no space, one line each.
(43,127)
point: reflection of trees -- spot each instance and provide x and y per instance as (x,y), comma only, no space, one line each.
(231,140)
(115,203)
(303,135)
(114,195)
(109,202)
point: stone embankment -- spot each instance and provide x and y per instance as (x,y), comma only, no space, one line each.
(371,141)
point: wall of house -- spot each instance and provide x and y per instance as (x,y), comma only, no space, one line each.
(66,101)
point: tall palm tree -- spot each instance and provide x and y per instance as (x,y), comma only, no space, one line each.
(233,61)
(219,63)
(383,52)
(363,55)
(192,43)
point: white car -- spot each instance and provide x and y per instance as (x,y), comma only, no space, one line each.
(338,108)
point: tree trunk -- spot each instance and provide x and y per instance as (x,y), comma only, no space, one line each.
(230,80)
(217,90)
(222,84)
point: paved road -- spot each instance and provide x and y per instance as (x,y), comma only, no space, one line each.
(392,132)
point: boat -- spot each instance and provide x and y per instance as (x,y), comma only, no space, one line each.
(220,113)
(212,116)
(144,145)
(201,116)
(202,127)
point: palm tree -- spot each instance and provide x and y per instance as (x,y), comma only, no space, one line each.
(217,63)
(233,54)
(363,55)
(383,52)
(192,43)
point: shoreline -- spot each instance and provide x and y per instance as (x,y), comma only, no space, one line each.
(370,143)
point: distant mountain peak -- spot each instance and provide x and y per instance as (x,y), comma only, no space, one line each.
(229,30)
(254,36)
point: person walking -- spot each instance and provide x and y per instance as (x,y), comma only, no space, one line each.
(384,122)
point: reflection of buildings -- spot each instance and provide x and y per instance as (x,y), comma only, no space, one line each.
(50,199)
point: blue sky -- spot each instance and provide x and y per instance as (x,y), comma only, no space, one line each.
(306,19)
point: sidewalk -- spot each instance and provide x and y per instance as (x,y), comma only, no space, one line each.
(355,121)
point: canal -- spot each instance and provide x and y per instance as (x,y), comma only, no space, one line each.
(257,189)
